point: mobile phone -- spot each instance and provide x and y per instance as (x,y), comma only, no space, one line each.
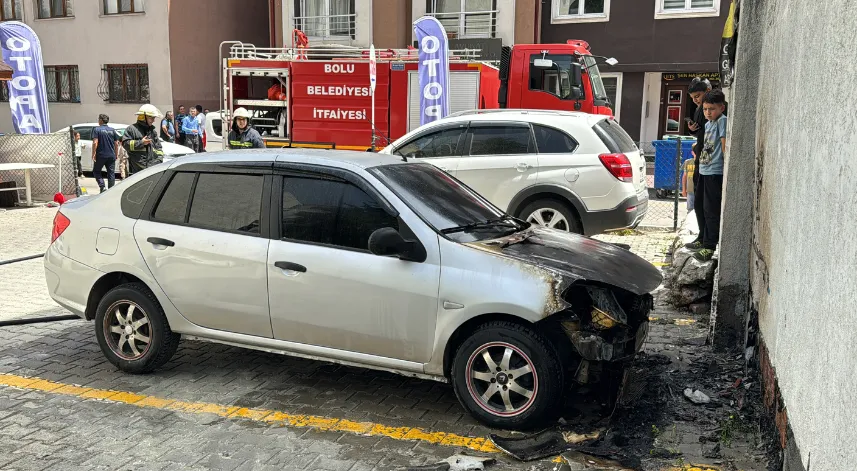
(689,121)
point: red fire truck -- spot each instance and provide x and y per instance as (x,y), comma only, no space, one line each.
(320,96)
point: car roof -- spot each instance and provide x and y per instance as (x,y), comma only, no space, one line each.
(555,118)
(326,157)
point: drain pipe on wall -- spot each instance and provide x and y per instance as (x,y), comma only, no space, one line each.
(33,320)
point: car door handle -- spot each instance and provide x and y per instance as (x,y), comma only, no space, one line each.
(160,241)
(290,266)
(523,167)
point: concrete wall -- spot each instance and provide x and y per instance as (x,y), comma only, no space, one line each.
(89,40)
(395,16)
(197,27)
(525,22)
(803,277)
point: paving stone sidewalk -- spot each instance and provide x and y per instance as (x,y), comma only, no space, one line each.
(41,430)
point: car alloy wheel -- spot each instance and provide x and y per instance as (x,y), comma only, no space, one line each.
(549,217)
(127,330)
(502,379)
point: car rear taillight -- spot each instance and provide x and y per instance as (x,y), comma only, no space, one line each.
(61,223)
(619,166)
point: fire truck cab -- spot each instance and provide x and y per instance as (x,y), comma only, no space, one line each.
(320,96)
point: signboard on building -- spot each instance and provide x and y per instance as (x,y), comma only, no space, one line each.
(712,76)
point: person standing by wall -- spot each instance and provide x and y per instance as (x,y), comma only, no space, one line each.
(698,88)
(178,121)
(142,142)
(200,117)
(105,146)
(711,163)
(168,128)
(190,129)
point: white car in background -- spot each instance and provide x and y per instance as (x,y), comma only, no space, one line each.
(570,171)
(171,150)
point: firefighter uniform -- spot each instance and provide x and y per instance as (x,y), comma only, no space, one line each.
(142,156)
(247,138)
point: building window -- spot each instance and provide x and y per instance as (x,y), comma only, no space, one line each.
(62,83)
(122,7)
(55,9)
(125,83)
(10,10)
(579,11)
(465,18)
(326,18)
(686,8)
(613,87)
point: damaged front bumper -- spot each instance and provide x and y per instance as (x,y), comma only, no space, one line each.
(622,345)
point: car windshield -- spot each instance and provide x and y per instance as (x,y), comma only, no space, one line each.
(445,203)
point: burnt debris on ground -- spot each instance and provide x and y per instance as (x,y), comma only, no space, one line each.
(659,427)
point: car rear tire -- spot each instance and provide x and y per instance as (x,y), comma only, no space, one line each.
(553,214)
(508,376)
(133,331)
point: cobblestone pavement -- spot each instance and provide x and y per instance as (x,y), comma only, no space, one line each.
(25,232)
(299,414)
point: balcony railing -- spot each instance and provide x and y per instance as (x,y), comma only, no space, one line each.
(332,28)
(468,24)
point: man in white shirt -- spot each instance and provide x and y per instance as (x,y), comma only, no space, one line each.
(200,118)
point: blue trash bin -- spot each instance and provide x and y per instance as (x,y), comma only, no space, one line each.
(665,164)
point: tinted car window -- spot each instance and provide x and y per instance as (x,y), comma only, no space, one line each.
(614,137)
(331,212)
(134,198)
(553,141)
(500,140)
(227,202)
(172,207)
(438,144)
(85,132)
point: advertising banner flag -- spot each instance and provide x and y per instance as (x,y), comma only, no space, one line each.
(433,69)
(27,95)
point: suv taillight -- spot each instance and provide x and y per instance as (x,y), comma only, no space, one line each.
(619,166)
(61,223)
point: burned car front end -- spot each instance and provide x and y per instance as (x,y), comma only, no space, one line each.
(599,303)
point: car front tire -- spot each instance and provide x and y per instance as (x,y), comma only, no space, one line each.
(553,214)
(133,331)
(508,376)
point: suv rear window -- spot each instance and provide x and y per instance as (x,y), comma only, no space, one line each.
(614,137)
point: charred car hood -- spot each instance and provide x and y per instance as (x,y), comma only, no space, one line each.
(577,257)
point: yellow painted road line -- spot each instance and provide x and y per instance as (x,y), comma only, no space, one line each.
(272,417)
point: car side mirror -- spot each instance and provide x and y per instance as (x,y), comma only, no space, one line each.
(387,242)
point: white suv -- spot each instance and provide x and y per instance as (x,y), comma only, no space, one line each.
(571,171)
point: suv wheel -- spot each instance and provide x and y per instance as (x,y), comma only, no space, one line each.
(132,329)
(508,376)
(553,214)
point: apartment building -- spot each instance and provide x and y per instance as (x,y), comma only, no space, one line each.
(482,24)
(111,56)
(660,44)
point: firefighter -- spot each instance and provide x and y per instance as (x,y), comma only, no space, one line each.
(141,141)
(242,135)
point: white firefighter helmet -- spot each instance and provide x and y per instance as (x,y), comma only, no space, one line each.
(149,111)
(242,113)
